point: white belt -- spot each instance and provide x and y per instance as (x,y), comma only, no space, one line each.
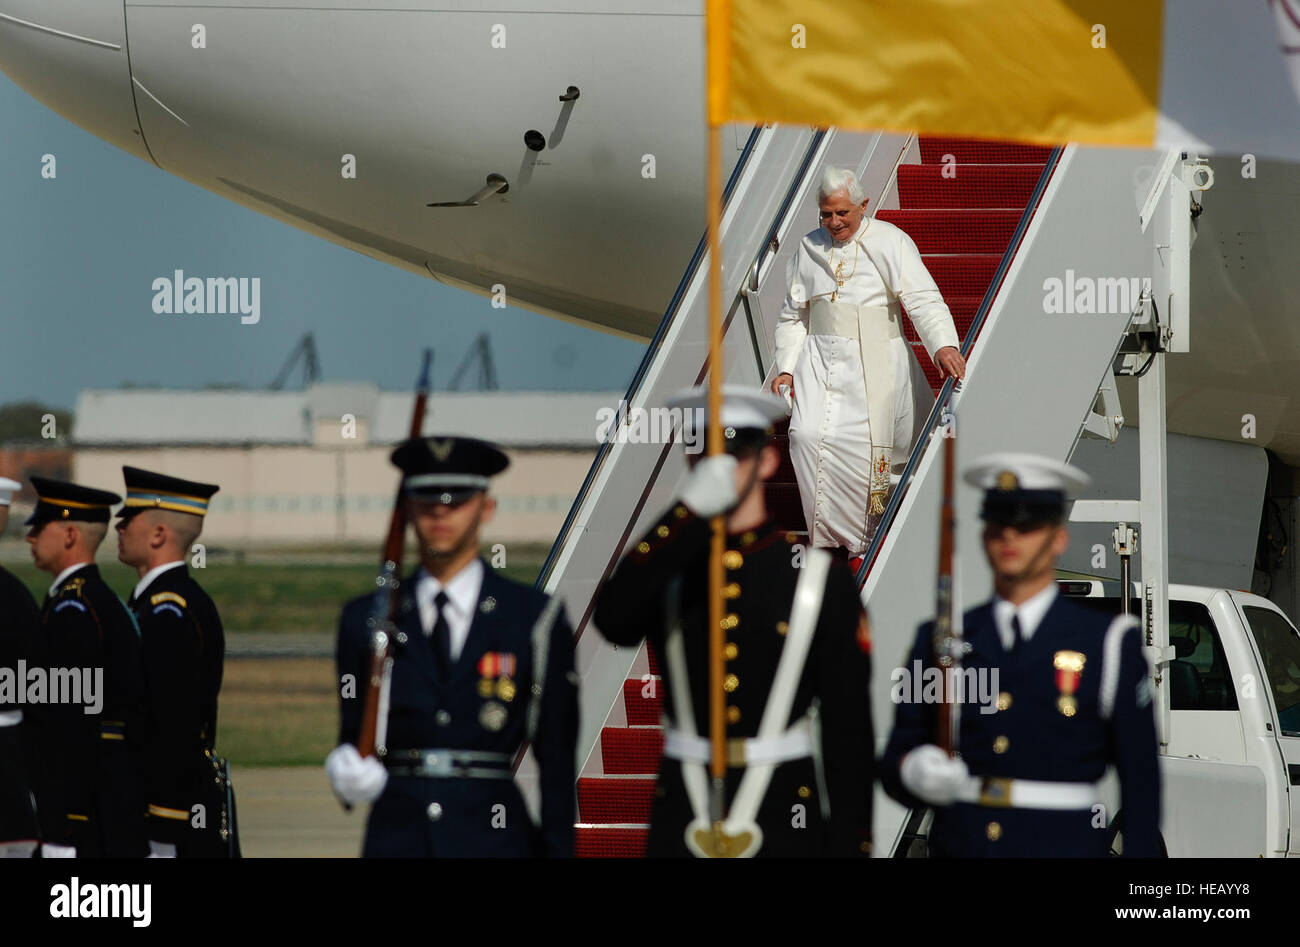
(845,319)
(11,718)
(1028,794)
(795,744)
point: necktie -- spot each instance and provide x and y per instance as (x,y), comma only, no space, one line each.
(1019,635)
(441,635)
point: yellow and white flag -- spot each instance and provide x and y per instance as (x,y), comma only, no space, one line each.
(1141,73)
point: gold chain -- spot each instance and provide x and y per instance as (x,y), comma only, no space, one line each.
(840,278)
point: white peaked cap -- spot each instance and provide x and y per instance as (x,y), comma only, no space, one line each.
(7,490)
(742,406)
(1025,472)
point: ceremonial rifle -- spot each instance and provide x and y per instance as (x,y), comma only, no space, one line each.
(948,646)
(382,621)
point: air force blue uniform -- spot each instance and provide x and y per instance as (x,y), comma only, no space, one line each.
(1030,737)
(456,726)
(451,816)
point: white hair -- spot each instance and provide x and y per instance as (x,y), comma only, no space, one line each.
(840,179)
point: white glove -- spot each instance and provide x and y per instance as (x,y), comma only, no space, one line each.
(49,850)
(355,779)
(711,487)
(931,774)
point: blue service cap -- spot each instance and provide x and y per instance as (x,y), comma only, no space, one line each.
(447,469)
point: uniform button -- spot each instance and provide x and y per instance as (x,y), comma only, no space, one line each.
(680,512)
(782,627)
(733,715)
(1004,700)
(435,812)
(730,683)
(804,792)
(731,590)
(994,831)
(749,537)
(730,622)
(443,718)
(1000,745)
(732,559)
(730,651)
(643,547)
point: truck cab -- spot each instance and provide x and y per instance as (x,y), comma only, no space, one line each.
(1231,761)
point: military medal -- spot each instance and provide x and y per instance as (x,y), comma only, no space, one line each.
(1069,667)
(493,716)
(495,669)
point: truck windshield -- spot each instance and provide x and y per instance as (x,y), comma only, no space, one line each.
(1279,646)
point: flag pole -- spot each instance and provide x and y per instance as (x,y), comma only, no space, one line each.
(713,448)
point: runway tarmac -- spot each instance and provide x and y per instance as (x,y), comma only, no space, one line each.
(290,812)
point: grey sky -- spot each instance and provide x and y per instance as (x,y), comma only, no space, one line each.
(78,256)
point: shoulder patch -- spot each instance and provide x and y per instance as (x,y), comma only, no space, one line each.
(168,607)
(69,603)
(167,597)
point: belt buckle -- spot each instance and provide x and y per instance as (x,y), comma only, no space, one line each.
(995,792)
(736,752)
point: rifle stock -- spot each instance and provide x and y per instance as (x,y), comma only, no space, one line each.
(387,582)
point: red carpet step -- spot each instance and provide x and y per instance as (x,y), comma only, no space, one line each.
(643,711)
(631,750)
(607,799)
(967,185)
(978,151)
(956,231)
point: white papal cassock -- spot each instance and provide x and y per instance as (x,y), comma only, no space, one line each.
(845,348)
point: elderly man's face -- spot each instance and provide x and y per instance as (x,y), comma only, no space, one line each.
(840,216)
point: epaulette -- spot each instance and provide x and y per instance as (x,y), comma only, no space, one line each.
(168,597)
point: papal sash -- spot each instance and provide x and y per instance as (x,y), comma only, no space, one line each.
(874,327)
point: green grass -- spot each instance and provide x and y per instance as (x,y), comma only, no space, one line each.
(277,711)
(265,593)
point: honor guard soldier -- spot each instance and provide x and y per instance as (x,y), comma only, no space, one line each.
(88,794)
(183,650)
(798,712)
(19,622)
(1073,695)
(482,665)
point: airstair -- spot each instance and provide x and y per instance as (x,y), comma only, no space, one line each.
(994,224)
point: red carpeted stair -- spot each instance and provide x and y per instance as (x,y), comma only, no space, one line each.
(961,206)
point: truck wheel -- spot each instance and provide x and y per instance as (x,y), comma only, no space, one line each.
(1115,838)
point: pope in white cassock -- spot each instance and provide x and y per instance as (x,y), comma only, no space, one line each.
(859,393)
